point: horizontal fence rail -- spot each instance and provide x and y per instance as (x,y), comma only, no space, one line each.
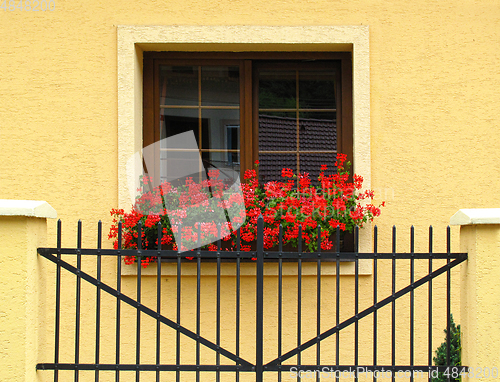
(305,317)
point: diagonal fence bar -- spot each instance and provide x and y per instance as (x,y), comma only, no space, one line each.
(259,366)
(144,309)
(368,311)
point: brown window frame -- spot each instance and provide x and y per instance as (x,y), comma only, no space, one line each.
(248,63)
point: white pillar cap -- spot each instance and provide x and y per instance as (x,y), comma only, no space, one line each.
(476,216)
(32,208)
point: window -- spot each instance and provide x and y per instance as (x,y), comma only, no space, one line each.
(289,110)
(134,43)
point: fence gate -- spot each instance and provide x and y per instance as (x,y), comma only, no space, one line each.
(259,351)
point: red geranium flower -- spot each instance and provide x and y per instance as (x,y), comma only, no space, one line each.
(331,204)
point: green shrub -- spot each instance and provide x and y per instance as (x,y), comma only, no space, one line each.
(455,353)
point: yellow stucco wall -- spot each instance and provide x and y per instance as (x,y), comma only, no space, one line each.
(433,107)
(433,98)
(23,308)
(480,292)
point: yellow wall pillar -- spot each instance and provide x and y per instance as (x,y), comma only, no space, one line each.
(23,228)
(480,289)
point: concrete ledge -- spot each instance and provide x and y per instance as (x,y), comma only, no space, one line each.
(476,216)
(32,208)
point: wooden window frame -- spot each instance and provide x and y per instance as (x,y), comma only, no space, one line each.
(246,61)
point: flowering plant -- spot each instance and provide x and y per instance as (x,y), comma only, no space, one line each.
(334,204)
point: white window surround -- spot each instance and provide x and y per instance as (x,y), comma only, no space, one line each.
(134,40)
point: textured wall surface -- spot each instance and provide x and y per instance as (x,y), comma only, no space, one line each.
(22,289)
(434,98)
(480,292)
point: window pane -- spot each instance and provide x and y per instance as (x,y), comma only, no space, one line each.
(270,166)
(173,162)
(329,115)
(220,86)
(317,89)
(318,134)
(277,90)
(221,160)
(311,163)
(277,131)
(220,124)
(174,166)
(176,121)
(178,85)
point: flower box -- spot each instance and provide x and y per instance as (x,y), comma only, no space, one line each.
(334,202)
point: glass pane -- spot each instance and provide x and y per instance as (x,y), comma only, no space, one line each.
(270,166)
(311,163)
(318,134)
(317,89)
(221,160)
(277,131)
(173,162)
(220,86)
(174,167)
(178,85)
(176,121)
(329,115)
(222,129)
(277,90)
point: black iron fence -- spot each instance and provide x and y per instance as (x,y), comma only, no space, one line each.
(382,334)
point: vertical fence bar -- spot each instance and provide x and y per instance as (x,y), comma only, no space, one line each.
(217,334)
(375,270)
(337,302)
(412,299)
(198,305)
(138,323)
(448,300)
(158,301)
(238,297)
(98,301)
(259,348)
(280,300)
(430,303)
(259,368)
(178,312)
(318,302)
(356,298)
(299,299)
(393,321)
(78,300)
(178,309)
(118,301)
(58,303)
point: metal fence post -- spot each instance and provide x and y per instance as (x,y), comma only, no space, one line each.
(260,301)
